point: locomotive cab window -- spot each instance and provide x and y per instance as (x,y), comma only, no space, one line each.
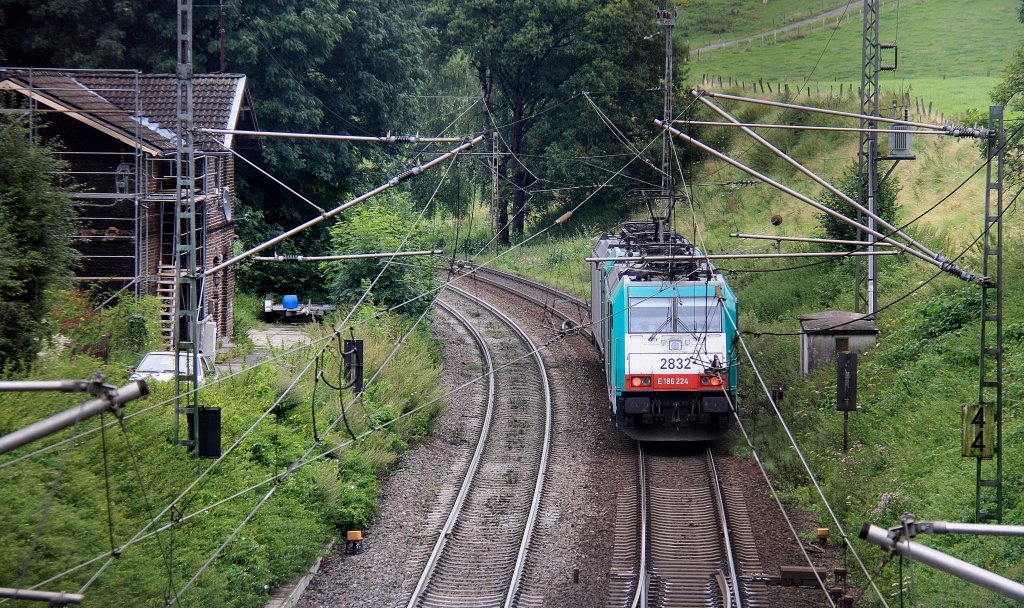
(650,315)
(699,315)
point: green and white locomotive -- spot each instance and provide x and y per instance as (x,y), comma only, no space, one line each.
(665,323)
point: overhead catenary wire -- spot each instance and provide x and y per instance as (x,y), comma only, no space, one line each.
(282,477)
(347,256)
(196,483)
(389,138)
(775,495)
(394,181)
(822,182)
(761,125)
(909,293)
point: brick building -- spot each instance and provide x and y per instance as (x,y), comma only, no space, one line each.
(115,130)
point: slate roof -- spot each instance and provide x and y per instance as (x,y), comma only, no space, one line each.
(837,322)
(107,99)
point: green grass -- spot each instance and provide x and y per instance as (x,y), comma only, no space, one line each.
(702,22)
(940,60)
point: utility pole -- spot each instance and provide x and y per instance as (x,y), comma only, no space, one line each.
(667,20)
(186,296)
(495,200)
(223,39)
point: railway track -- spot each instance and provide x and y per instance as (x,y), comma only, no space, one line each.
(682,538)
(571,312)
(480,553)
(695,546)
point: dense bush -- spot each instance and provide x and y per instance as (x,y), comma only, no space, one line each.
(886,206)
(380,225)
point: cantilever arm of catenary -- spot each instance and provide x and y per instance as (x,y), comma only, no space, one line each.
(944,265)
(394,181)
(955,131)
(953,268)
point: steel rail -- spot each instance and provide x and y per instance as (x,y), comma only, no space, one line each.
(531,519)
(449,523)
(726,535)
(640,593)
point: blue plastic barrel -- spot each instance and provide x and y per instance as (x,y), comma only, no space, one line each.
(290,302)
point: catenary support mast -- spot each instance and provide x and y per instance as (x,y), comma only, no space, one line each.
(186,293)
(988,502)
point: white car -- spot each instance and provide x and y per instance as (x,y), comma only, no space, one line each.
(159,366)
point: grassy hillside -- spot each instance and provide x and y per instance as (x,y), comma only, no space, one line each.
(941,58)
(703,22)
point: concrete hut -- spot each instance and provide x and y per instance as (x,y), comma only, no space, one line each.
(823,334)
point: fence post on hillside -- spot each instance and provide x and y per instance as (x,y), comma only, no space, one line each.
(770,88)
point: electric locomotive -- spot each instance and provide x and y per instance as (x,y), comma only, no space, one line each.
(666,330)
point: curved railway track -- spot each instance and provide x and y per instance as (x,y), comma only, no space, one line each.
(480,553)
(696,547)
(572,312)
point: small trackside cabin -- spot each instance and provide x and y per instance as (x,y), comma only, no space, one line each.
(116,134)
(823,334)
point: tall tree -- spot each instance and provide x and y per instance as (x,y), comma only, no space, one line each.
(36,225)
(530,56)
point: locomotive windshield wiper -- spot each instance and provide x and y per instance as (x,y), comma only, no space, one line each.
(660,328)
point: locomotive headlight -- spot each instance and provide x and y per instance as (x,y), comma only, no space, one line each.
(675,345)
(716,381)
(639,381)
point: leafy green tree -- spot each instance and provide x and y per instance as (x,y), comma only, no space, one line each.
(378,226)
(1008,93)
(36,226)
(529,57)
(886,207)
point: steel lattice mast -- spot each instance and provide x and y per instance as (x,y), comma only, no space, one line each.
(186,292)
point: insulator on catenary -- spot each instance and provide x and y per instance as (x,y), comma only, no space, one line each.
(975,132)
(404,175)
(563,218)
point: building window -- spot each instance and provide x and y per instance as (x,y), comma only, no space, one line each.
(842,344)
